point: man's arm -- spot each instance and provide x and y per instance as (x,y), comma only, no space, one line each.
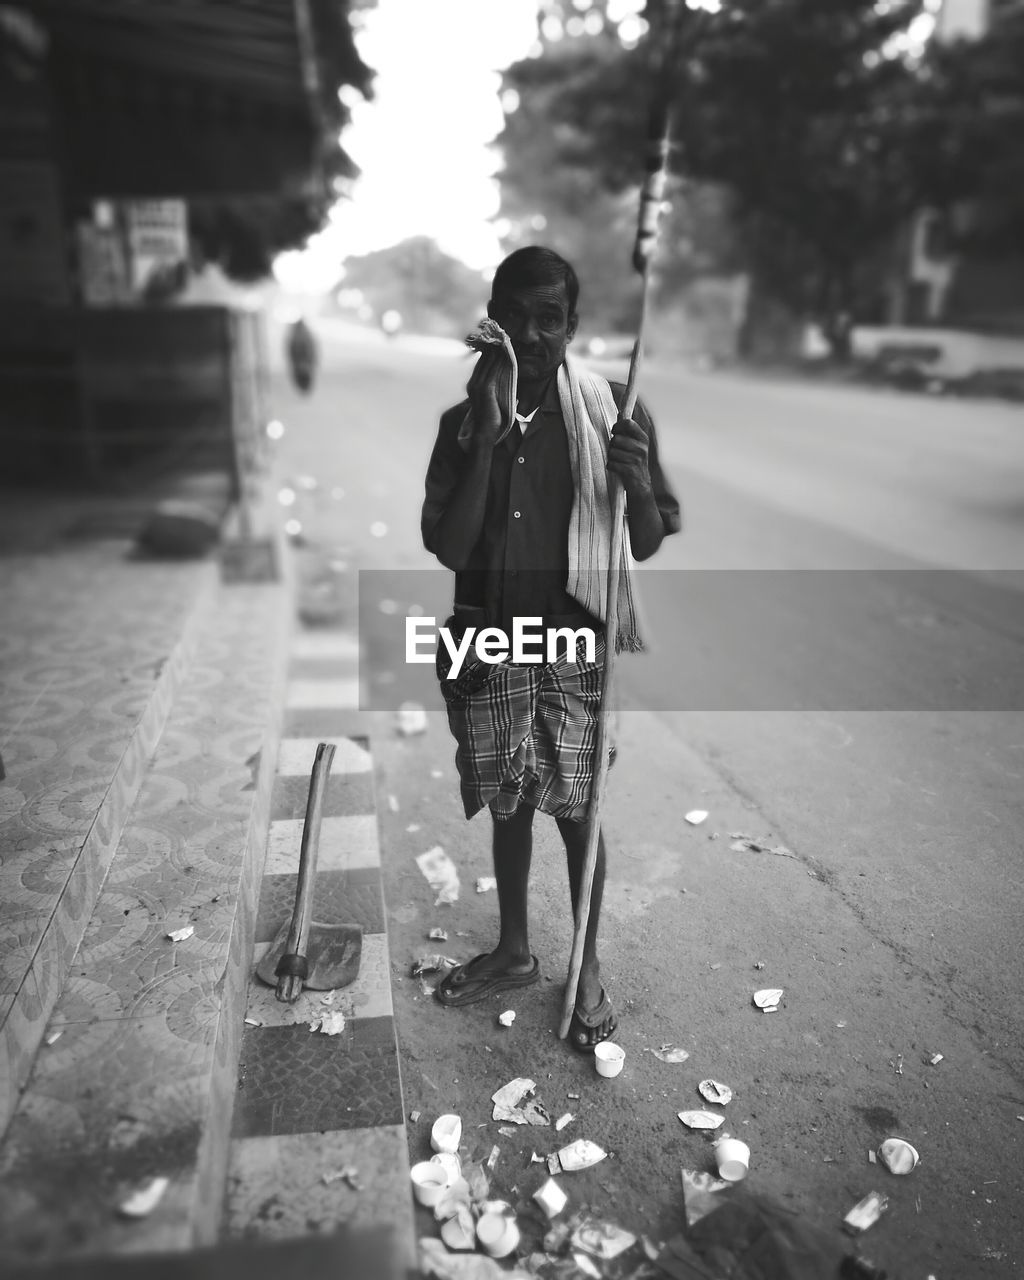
(651,509)
(453,512)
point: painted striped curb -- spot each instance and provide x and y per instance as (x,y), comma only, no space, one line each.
(318,1135)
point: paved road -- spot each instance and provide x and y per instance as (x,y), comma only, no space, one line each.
(839,663)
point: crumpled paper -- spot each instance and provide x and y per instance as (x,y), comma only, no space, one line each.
(509,1105)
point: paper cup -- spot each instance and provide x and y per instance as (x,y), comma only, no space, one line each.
(733,1159)
(446,1133)
(429,1182)
(608,1058)
(450,1163)
(498,1234)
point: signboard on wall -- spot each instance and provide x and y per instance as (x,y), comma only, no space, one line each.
(157,232)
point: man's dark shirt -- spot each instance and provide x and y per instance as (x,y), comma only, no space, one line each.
(520,564)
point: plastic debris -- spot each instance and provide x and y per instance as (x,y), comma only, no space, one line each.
(742,843)
(575,1097)
(485,883)
(509,1104)
(331,1023)
(551,1198)
(53,1037)
(492,1159)
(554,1164)
(872,1158)
(446,1133)
(897,1064)
(438,935)
(586,1265)
(696,816)
(713,1091)
(602,1239)
(142,1202)
(865,1213)
(701,1119)
(934,1059)
(562,1121)
(410,719)
(441,874)
(179,935)
(507,1018)
(459,1231)
(758,964)
(435,963)
(700,1192)
(349,1174)
(510,1131)
(414,1116)
(253,1022)
(580,1154)
(898,1156)
(670,1053)
(768,999)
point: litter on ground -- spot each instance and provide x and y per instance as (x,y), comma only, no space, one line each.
(696,816)
(440,873)
(180,935)
(507,1018)
(602,1239)
(551,1198)
(485,883)
(434,963)
(438,935)
(331,1023)
(670,1053)
(700,1192)
(580,1154)
(410,719)
(509,1103)
(865,1213)
(53,1037)
(742,843)
(898,1156)
(701,1119)
(713,1091)
(767,1000)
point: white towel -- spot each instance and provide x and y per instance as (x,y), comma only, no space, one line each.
(589,410)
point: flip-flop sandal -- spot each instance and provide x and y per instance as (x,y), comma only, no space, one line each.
(461,987)
(584,1020)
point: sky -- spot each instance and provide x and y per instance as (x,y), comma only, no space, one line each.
(422,142)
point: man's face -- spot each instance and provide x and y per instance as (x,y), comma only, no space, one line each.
(540,325)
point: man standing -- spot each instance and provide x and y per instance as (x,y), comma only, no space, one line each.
(517,505)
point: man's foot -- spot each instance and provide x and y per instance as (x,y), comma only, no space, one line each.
(590,1026)
(484,975)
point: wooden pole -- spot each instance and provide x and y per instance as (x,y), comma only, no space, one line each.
(651,198)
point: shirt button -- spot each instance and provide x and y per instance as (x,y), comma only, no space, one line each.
(516,514)
(520,459)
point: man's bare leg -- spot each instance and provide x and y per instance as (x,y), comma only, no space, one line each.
(589,989)
(512,850)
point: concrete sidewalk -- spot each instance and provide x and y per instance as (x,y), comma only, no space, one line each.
(147,790)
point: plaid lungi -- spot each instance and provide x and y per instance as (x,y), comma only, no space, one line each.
(525,733)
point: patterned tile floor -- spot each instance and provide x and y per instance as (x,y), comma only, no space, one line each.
(308,1104)
(140,1078)
(92,650)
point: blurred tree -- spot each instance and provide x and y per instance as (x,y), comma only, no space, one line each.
(434,292)
(969,135)
(799,107)
(549,193)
